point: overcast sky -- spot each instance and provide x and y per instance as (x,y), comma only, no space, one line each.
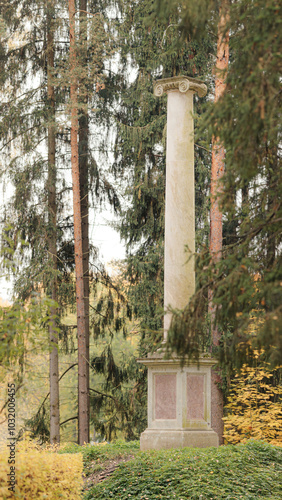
(101,234)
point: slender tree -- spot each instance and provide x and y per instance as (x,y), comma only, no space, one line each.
(216,229)
(83,413)
(52,230)
(83,135)
(218,155)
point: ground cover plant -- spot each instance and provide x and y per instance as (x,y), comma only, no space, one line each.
(248,472)
(101,456)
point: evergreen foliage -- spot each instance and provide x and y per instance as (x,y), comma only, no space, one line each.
(119,402)
(246,283)
(122,48)
(27,116)
(144,53)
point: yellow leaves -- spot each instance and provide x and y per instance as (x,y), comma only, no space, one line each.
(43,474)
(254,407)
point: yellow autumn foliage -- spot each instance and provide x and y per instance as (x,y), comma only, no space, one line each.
(42,474)
(254,406)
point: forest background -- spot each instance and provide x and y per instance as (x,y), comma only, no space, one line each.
(120,48)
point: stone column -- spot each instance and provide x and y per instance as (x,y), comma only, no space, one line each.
(179,398)
(179,274)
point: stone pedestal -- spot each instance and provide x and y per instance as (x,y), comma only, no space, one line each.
(179,404)
(179,399)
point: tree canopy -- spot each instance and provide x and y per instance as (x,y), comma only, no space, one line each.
(246,282)
(120,48)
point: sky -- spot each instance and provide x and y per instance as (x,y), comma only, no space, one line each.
(101,234)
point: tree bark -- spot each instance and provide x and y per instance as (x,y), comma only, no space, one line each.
(83,413)
(217,170)
(84,185)
(271,179)
(218,155)
(52,237)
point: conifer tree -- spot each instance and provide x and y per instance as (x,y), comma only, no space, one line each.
(245,283)
(83,133)
(33,215)
(145,53)
(83,412)
(217,160)
(52,236)
(42,234)
(148,53)
(216,226)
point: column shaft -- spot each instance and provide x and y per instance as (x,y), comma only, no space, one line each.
(179,273)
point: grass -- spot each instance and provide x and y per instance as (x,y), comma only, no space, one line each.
(249,472)
(96,457)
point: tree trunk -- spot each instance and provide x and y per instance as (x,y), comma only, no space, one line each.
(218,155)
(271,179)
(52,238)
(217,170)
(84,186)
(83,413)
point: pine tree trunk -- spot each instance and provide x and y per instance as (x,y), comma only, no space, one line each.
(218,155)
(272,179)
(83,413)
(217,170)
(84,186)
(52,239)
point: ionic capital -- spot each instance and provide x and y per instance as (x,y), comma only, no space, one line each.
(180,83)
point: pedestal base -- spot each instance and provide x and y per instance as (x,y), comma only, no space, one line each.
(154,439)
(179,404)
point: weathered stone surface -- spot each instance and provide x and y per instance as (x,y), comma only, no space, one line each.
(179,274)
(155,439)
(179,398)
(180,83)
(165,396)
(195,397)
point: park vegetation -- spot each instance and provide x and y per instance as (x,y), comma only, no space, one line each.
(79,128)
(42,474)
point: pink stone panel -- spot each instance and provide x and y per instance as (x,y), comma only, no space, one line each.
(195,397)
(165,396)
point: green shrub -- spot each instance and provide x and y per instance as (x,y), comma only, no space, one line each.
(246,472)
